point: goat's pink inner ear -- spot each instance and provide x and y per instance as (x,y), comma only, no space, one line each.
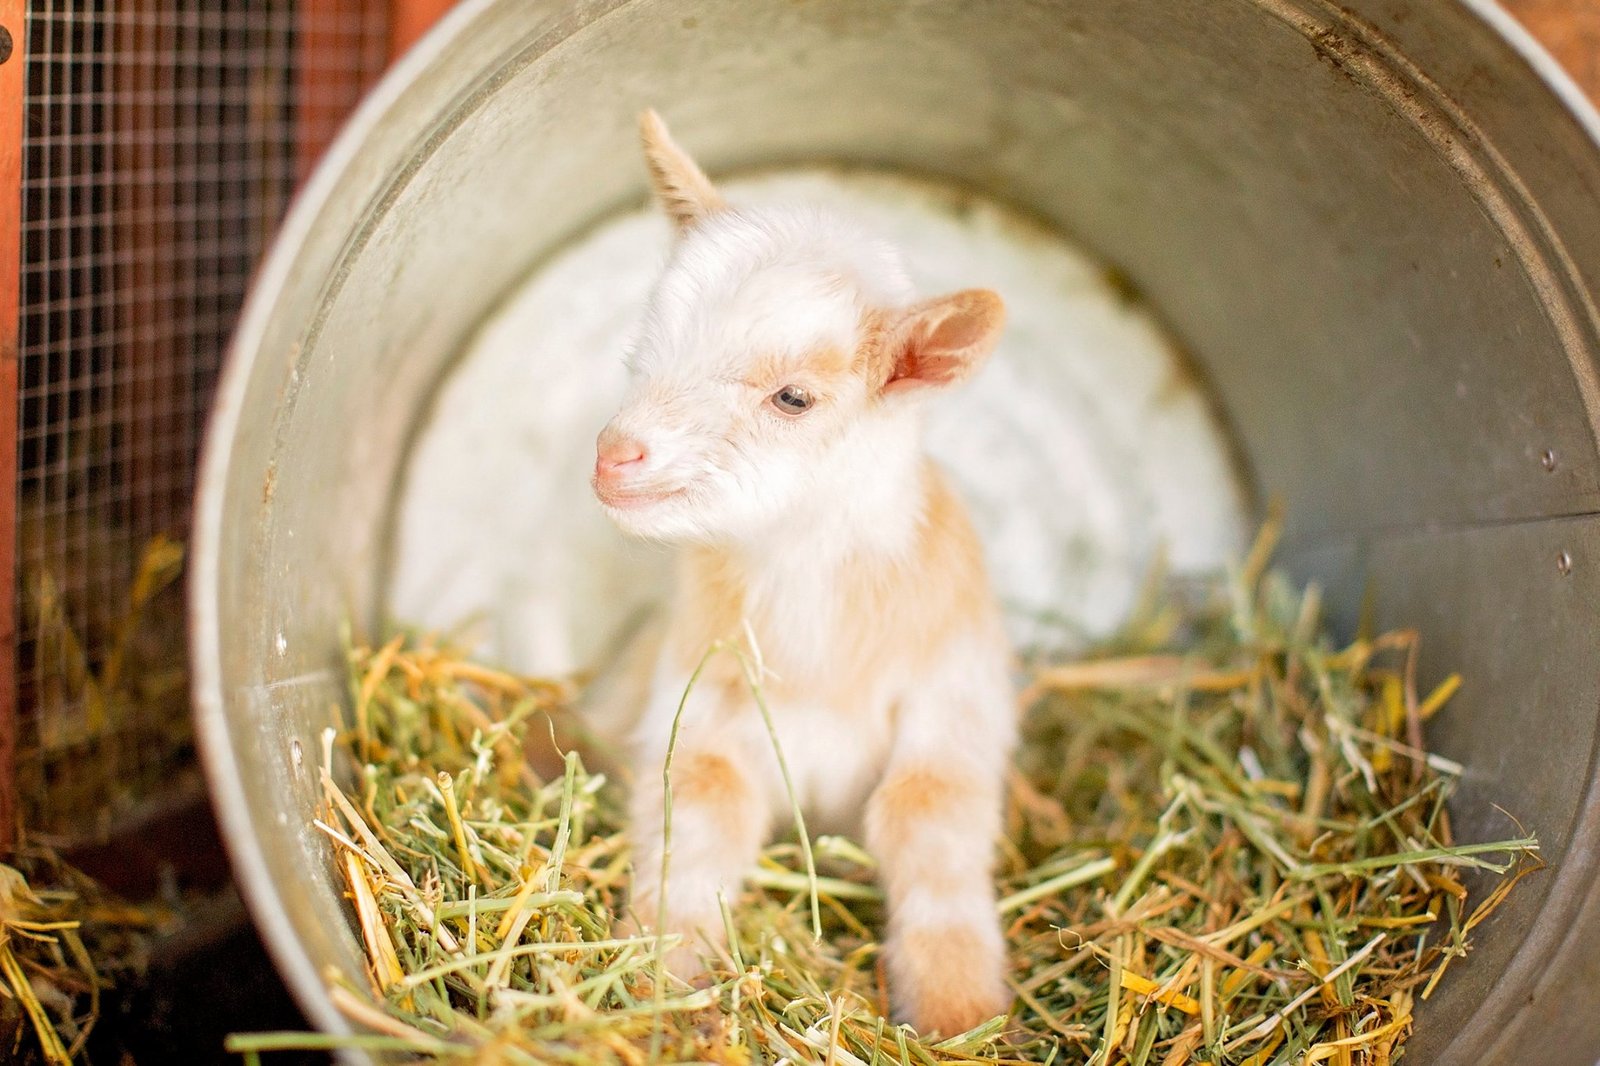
(945,340)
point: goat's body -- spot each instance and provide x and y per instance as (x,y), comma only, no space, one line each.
(886,678)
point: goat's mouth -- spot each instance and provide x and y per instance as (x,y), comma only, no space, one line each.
(615,498)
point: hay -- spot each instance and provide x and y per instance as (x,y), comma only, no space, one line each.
(1225,844)
(102,691)
(63,942)
(108,723)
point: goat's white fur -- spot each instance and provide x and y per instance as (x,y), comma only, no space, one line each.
(831,540)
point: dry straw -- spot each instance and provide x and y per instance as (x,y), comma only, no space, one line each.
(1225,844)
(64,939)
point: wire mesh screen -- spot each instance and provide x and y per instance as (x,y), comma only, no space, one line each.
(162,142)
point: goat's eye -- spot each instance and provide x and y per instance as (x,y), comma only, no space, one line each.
(792,400)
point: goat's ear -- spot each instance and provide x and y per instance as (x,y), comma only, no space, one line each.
(943,341)
(680,186)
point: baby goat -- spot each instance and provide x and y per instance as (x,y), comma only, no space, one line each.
(772,432)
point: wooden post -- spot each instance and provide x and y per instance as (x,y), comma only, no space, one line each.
(410,19)
(1571,30)
(12,15)
(331,72)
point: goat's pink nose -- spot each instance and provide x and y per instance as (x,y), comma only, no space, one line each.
(613,452)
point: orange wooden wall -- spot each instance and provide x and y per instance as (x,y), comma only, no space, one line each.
(12,13)
(1571,30)
(410,19)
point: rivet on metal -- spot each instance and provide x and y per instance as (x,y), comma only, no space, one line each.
(1564,563)
(1547,459)
(5,44)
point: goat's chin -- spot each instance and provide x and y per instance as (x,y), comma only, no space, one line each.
(684,519)
(667,519)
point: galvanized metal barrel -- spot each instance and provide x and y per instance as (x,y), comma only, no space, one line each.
(1375,225)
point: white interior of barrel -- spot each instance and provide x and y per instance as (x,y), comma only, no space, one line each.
(1085,450)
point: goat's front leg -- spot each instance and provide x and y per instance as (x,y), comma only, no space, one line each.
(719,821)
(932,824)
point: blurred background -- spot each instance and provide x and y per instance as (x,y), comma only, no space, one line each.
(153,146)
